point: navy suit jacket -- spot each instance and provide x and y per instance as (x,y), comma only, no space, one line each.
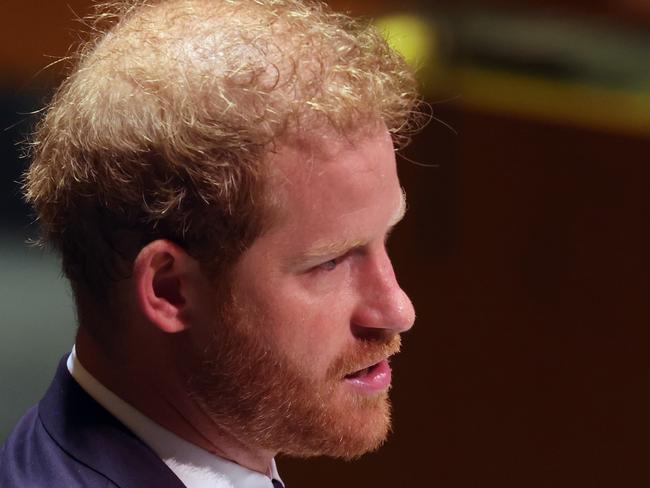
(68,441)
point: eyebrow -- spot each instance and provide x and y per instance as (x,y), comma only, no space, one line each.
(341,247)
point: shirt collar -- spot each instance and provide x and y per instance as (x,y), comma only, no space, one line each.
(195,467)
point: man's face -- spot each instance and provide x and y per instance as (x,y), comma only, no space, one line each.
(297,363)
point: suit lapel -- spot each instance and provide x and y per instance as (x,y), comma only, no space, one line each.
(87,432)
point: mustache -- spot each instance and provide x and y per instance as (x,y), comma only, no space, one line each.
(362,354)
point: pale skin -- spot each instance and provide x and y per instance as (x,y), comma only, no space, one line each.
(320,276)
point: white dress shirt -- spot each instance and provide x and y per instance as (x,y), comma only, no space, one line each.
(195,467)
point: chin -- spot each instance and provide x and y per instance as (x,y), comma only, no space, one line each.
(348,431)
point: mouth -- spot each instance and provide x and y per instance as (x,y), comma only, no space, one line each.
(362,372)
(370,379)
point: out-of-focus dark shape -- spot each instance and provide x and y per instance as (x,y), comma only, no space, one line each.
(566,69)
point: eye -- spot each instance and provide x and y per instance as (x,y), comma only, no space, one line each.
(330,265)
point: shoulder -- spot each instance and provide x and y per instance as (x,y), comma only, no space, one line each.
(30,457)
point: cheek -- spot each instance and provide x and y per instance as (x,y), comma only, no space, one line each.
(306,317)
(312,333)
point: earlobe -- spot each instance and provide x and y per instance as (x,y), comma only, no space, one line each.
(160,273)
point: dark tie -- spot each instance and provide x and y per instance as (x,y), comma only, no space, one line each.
(277,484)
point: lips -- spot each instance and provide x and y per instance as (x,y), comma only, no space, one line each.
(371,379)
(362,372)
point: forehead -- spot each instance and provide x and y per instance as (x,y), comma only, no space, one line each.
(332,163)
(330,180)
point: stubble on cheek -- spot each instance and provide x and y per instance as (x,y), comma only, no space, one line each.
(251,389)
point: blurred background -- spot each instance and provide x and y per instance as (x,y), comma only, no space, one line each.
(524,249)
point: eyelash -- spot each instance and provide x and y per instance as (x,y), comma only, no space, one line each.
(331,265)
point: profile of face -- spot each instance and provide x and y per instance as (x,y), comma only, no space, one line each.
(297,361)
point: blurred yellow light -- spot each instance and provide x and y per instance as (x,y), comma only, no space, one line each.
(413,37)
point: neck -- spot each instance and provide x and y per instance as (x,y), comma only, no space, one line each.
(153,388)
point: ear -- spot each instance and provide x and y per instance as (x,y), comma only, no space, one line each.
(164,276)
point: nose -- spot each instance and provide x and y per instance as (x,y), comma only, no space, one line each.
(382,302)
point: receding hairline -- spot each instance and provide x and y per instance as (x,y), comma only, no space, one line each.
(192,31)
